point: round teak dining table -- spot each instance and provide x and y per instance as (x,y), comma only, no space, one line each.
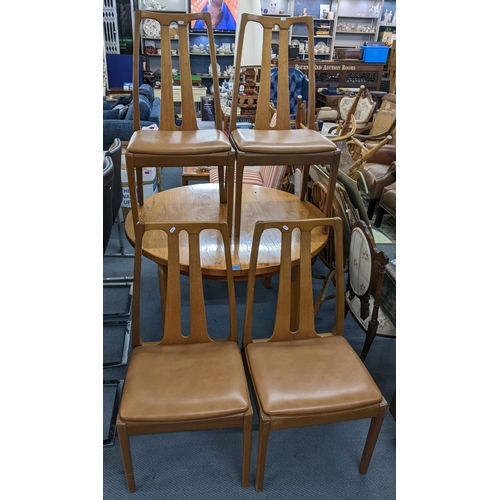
(200,202)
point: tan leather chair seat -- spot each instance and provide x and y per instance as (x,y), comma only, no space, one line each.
(284,390)
(205,373)
(186,142)
(286,141)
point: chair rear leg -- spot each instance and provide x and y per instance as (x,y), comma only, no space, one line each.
(222,184)
(247,448)
(123,439)
(371,439)
(238,193)
(371,208)
(264,429)
(322,294)
(229,190)
(366,347)
(378,218)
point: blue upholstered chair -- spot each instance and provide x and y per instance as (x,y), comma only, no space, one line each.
(117,115)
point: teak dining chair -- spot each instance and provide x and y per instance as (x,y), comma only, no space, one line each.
(301,377)
(278,145)
(187,380)
(177,145)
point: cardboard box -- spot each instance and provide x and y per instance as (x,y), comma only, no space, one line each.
(150,186)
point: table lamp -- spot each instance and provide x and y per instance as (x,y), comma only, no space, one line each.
(251,56)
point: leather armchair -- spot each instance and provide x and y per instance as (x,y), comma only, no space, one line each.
(379,173)
(387,203)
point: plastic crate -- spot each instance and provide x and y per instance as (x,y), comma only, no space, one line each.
(375,54)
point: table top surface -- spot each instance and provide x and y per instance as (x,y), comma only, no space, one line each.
(200,202)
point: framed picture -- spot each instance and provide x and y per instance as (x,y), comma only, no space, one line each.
(324,8)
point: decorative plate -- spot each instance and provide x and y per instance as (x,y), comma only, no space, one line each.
(294,43)
(210,69)
(151,27)
(320,45)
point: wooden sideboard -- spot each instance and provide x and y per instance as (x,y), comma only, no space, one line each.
(344,74)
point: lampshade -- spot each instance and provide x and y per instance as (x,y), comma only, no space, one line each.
(251,55)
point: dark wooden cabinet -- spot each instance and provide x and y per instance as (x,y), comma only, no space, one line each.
(344,74)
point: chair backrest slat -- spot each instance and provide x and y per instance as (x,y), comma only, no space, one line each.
(295,303)
(167,109)
(179,236)
(284,25)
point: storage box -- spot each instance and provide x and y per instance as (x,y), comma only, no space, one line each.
(375,54)
(150,186)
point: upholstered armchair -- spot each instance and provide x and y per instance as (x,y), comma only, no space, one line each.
(363,111)
(387,203)
(117,115)
(383,123)
(378,174)
(298,85)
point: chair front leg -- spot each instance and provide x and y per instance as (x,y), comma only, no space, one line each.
(371,439)
(264,430)
(121,429)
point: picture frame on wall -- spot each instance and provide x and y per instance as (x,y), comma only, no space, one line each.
(324,9)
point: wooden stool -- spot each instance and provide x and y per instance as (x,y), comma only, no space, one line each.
(193,174)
